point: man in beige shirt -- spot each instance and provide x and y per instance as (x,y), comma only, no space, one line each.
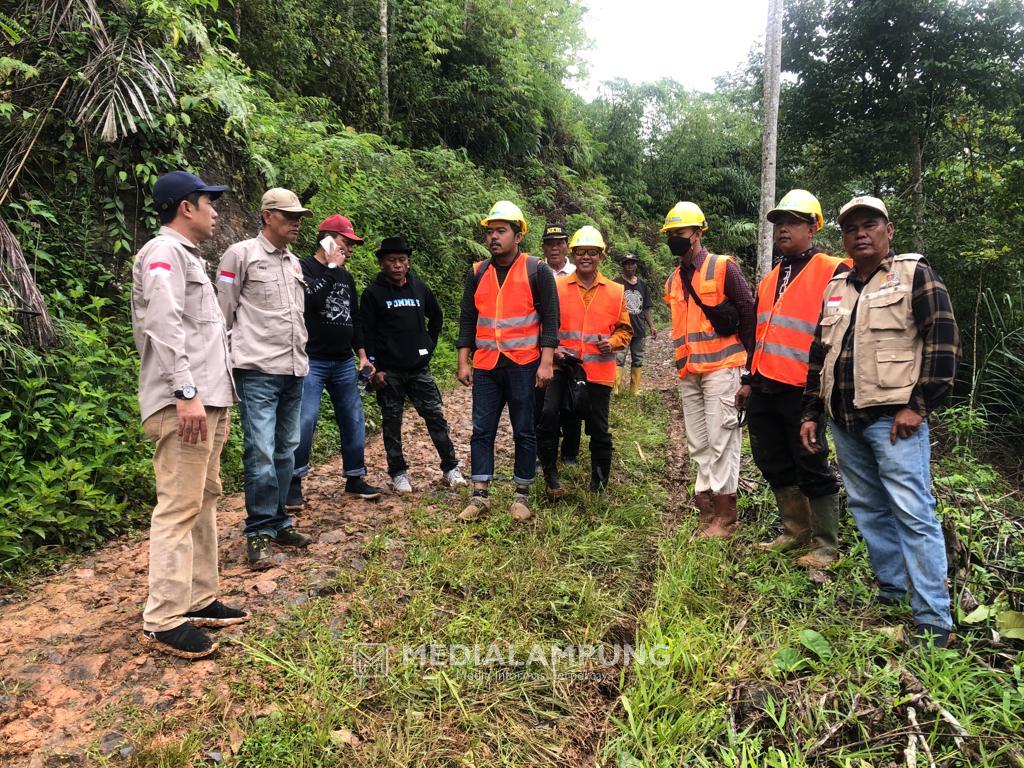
(185,395)
(260,290)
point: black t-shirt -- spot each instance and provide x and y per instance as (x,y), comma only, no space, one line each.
(638,301)
(332,312)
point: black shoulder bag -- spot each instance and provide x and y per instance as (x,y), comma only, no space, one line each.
(724,317)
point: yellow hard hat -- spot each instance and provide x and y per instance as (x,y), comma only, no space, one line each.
(503,210)
(685,214)
(587,237)
(798,201)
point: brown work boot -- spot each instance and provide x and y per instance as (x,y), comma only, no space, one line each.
(705,506)
(825,525)
(552,485)
(520,508)
(795,512)
(476,507)
(724,524)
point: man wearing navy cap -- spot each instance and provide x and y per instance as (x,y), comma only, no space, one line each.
(185,396)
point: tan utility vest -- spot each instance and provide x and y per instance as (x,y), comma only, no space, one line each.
(887,346)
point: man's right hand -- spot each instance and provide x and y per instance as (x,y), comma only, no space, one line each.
(809,437)
(465,374)
(191,421)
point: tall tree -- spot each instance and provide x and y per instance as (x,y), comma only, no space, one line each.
(770,137)
(384,90)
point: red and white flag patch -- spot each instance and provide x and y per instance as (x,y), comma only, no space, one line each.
(225,277)
(833,302)
(160,267)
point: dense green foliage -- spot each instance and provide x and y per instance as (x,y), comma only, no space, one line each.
(916,100)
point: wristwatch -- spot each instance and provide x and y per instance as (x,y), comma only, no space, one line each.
(188,392)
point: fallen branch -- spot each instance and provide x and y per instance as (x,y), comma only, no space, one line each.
(912,717)
(911,683)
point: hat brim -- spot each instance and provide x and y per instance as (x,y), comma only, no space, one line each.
(774,214)
(846,214)
(351,236)
(290,209)
(213,190)
(554,237)
(381,253)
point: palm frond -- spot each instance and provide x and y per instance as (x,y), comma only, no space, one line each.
(121,86)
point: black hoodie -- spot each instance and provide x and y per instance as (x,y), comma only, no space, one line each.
(400,325)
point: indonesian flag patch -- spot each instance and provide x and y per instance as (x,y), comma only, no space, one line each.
(160,268)
(225,277)
(833,302)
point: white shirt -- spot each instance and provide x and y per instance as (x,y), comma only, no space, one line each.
(567,269)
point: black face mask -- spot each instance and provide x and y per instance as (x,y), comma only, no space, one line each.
(680,246)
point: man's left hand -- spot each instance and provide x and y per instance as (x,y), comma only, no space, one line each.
(905,424)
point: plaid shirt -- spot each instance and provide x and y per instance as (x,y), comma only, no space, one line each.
(933,315)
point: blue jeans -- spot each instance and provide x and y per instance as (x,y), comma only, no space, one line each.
(339,378)
(889,493)
(269,409)
(492,390)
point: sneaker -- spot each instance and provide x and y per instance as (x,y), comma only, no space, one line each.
(927,634)
(520,509)
(289,537)
(294,499)
(474,509)
(454,479)
(257,549)
(184,641)
(888,599)
(358,486)
(400,483)
(216,614)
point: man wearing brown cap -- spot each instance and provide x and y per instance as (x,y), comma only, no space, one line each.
(260,290)
(884,356)
(336,349)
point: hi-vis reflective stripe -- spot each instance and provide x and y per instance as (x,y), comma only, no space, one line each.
(225,277)
(794,324)
(508,322)
(160,267)
(800,355)
(521,343)
(715,357)
(694,337)
(599,357)
(591,338)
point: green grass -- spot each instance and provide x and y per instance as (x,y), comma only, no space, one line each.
(769,668)
(760,665)
(575,574)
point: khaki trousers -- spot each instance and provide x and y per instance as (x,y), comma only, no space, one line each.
(183,529)
(712,428)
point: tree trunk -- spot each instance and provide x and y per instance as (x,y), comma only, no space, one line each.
(917,190)
(770,126)
(238,23)
(18,289)
(385,99)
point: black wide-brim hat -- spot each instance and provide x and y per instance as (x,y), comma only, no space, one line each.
(393,245)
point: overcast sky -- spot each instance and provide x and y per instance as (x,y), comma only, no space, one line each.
(641,40)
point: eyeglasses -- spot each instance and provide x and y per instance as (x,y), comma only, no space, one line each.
(591,252)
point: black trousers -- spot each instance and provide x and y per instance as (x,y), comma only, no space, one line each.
(596,424)
(421,390)
(773,420)
(570,428)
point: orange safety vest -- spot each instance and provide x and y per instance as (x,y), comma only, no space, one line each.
(698,349)
(507,322)
(785,328)
(583,324)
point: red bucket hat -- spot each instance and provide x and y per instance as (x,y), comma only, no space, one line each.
(341,224)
